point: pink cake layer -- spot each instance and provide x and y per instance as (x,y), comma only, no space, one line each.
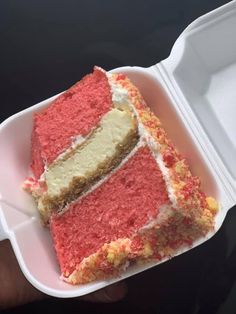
(122,205)
(74,113)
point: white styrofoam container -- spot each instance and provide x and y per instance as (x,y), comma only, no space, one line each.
(193,92)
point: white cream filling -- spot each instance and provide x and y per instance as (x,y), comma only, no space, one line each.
(120,96)
(113,129)
(76,141)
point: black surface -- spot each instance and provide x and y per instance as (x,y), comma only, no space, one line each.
(46,46)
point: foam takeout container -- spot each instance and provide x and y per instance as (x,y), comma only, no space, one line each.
(193,92)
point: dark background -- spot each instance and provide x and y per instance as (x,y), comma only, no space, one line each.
(45,47)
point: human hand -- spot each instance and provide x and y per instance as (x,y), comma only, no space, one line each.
(16,290)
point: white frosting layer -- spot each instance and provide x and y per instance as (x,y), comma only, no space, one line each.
(120,96)
(163,213)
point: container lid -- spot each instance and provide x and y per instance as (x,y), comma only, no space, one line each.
(202,71)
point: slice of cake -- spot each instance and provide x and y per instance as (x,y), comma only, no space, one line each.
(109,183)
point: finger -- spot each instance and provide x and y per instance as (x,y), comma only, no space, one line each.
(14,289)
(109,294)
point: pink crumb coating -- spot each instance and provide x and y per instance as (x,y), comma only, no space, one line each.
(118,208)
(73,113)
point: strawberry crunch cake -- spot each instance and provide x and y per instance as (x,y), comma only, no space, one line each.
(109,183)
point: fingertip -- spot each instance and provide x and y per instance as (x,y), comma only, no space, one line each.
(112,293)
(115,292)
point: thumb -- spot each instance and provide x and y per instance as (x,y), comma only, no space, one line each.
(109,294)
